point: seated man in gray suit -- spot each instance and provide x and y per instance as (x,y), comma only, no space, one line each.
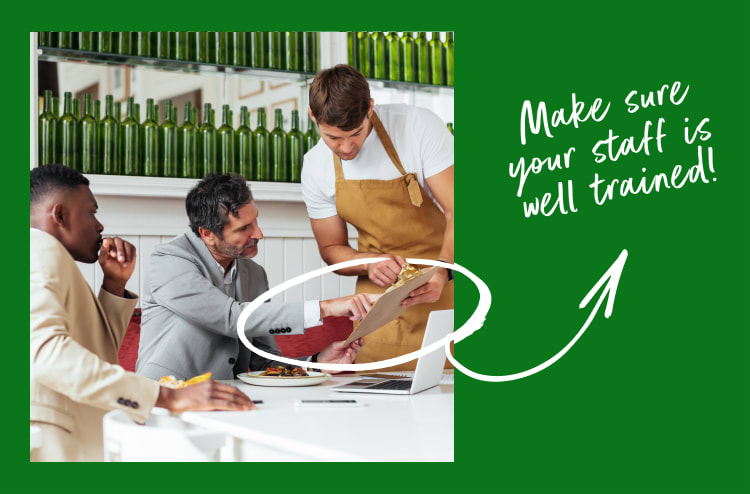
(199,282)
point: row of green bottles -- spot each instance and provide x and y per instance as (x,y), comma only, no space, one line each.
(111,146)
(293,51)
(392,57)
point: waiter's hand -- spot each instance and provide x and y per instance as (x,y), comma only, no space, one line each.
(385,273)
(354,306)
(339,353)
(429,292)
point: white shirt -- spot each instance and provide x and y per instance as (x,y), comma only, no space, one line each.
(423,143)
(311,308)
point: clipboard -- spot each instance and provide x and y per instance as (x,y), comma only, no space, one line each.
(388,306)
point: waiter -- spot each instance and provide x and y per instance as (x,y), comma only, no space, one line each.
(388,171)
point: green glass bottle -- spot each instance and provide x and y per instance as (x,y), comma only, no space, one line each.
(248,49)
(77,115)
(44,39)
(450,127)
(422,58)
(225,142)
(195,118)
(47,132)
(89,138)
(213,46)
(154,41)
(363,53)
(291,53)
(295,149)
(67,128)
(97,110)
(260,50)
(393,56)
(123,42)
(130,136)
(187,141)
(448,52)
(174,115)
(104,42)
(207,163)
(201,47)
(408,73)
(213,117)
(239,41)
(181,46)
(276,50)
(192,42)
(56,107)
(436,60)
(310,50)
(243,147)
(156,115)
(168,143)
(150,142)
(65,40)
(226,48)
(378,51)
(311,136)
(261,152)
(77,108)
(143,44)
(118,112)
(138,112)
(277,145)
(86,41)
(163,45)
(109,140)
(172,41)
(351,48)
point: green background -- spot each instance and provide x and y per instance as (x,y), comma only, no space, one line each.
(654,399)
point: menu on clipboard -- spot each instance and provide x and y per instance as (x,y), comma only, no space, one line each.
(388,306)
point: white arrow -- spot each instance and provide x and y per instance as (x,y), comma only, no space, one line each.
(611,277)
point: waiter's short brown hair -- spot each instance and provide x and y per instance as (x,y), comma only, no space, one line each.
(340,96)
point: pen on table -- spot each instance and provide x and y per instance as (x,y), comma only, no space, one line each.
(257,402)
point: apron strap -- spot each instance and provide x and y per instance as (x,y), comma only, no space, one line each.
(385,139)
(412,184)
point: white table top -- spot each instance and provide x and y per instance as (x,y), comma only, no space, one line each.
(390,428)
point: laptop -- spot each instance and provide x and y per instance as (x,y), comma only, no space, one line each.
(429,367)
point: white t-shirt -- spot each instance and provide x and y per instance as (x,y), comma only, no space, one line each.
(423,143)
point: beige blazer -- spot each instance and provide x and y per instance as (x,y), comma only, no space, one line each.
(74,376)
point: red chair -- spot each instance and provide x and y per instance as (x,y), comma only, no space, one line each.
(313,341)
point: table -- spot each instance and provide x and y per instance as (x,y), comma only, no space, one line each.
(390,428)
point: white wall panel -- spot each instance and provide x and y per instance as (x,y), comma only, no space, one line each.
(293,266)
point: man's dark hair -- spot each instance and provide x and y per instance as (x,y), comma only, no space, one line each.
(208,203)
(49,178)
(340,96)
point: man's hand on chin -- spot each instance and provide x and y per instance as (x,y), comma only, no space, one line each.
(339,353)
(117,259)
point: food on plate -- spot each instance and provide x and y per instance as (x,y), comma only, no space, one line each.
(284,371)
(407,272)
(171,382)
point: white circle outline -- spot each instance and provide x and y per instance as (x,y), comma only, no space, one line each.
(475,322)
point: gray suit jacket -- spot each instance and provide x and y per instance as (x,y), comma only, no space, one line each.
(189,325)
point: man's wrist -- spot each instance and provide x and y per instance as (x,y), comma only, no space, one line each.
(114,287)
(448,272)
(164,400)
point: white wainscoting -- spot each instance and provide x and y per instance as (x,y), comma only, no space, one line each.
(156,213)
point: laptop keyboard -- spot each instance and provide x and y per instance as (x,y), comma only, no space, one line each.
(401,384)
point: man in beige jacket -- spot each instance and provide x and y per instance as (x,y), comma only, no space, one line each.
(74,376)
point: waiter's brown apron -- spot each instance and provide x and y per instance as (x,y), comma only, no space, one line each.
(393,217)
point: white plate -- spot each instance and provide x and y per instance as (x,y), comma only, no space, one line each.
(256,379)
